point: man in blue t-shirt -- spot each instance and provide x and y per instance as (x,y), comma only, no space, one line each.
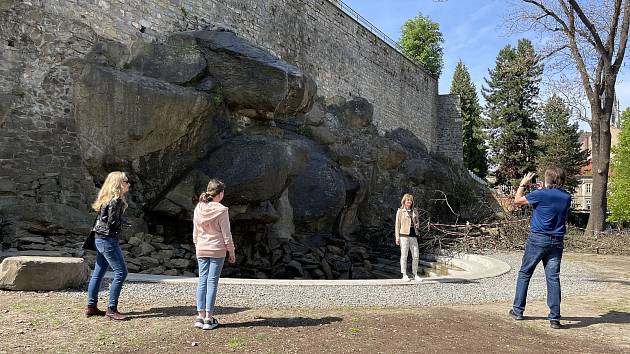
(545,242)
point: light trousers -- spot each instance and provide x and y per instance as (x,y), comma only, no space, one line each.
(407,243)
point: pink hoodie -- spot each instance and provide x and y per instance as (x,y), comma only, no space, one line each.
(211,230)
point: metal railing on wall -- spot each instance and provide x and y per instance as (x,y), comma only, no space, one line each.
(375,31)
(477,178)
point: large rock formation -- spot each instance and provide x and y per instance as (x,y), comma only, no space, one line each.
(124,119)
(310,182)
(249,77)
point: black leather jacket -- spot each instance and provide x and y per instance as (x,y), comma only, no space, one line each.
(110,220)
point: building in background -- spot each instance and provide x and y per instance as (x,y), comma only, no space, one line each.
(581,201)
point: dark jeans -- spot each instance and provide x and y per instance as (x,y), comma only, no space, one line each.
(548,249)
(108,254)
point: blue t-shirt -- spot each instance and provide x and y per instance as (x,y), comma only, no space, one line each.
(551,207)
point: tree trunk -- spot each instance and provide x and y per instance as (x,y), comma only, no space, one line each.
(600,138)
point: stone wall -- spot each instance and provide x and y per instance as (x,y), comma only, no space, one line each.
(449,123)
(343,57)
(41,173)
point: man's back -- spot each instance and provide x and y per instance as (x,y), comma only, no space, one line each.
(551,207)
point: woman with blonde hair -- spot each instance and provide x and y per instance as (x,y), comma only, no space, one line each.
(212,239)
(110,205)
(406,231)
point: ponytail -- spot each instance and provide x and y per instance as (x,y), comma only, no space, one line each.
(215,187)
(205,197)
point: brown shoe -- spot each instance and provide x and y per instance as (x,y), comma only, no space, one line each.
(93,311)
(113,314)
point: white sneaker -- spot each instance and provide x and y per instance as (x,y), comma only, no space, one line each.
(210,323)
(417,278)
(405,277)
(198,322)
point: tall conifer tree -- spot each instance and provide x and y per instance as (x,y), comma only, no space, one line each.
(472,125)
(559,141)
(511,107)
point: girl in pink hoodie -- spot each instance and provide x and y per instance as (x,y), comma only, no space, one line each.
(212,239)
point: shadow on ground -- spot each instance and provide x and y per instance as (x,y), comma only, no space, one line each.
(618,281)
(285,322)
(612,317)
(180,311)
(453,280)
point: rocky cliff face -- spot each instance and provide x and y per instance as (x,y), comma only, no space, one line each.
(311,185)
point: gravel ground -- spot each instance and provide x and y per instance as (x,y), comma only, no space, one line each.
(574,280)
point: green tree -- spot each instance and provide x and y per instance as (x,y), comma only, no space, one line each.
(422,40)
(472,125)
(619,189)
(511,107)
(559,141)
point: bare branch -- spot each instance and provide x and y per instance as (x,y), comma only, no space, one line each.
(571,91)
(598,41)
(597,80)
(585,36)
(549,12)
(541,17)
(613,26)
(579,60)
(553,52)
(445,199)
(623,40)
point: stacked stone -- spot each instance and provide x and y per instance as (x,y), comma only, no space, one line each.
(149,254)
(54,244)
(293,260)
(146,253)
(153,254)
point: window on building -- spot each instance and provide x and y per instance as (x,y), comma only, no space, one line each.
(587,188)
(588,204)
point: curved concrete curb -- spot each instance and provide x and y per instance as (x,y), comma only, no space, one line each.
(473,267)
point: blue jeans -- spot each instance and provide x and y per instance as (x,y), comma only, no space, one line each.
(108,254)
(548,249)
(209,273)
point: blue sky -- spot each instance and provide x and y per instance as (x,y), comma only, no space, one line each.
(472,30)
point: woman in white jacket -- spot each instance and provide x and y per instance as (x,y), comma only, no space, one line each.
(406,231)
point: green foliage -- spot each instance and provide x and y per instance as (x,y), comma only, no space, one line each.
(422,40)
(619,191)
(472,125)
(217,100)
(511,107)
(235,343)
(559,142)
(217,97)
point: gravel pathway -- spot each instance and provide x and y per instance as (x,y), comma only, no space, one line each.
(574,279)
